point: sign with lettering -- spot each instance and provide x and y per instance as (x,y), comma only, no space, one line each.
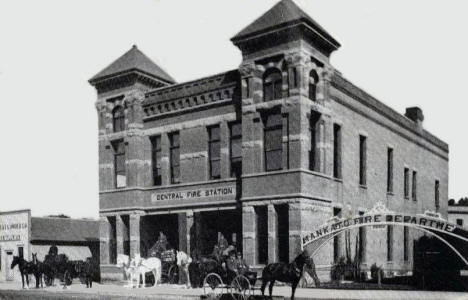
(194,193)
(378,217)
(14,227)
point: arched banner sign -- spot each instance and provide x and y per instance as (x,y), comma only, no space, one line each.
(379,215)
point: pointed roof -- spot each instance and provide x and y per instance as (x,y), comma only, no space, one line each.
(285,12)
(133,60)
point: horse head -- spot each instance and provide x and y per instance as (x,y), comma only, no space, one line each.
(123,260)
(16,261)
(34,258)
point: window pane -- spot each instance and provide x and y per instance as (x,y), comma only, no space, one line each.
(119,163)
(215,150)
(175,157)
(236,148)
(121,180)
(214,133)
(278,90)
(268,90)
(274,160)
(175,174)
(174,140)
(215,169)
(274,139)
(236,129)
(274,120)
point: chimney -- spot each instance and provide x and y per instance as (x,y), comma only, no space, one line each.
(415,114)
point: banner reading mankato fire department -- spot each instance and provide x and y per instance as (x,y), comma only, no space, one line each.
(379,215)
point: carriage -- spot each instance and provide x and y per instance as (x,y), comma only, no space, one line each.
(225,281)
(169,268)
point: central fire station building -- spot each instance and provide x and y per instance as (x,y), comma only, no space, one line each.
(262,154)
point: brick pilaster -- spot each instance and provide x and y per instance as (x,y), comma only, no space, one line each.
(272,234)
(104,239)
(134,234)
(249,233)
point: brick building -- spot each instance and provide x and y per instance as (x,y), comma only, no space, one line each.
(262,154)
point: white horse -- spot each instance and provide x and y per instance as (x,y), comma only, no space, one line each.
(129,268)
(152,264)
(183,261)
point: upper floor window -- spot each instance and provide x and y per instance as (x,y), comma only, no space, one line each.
(389,170)
(313,81)
(314,127)
(273,142)
(336,151)
(156,159)
(119,164)
(460,222)
(174,157)
(118,118)
(406,183)
(362,160)
(214,152)
(272,85)
(236,149)
(413,187)
(437,195)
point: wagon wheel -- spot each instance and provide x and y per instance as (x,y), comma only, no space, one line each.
(67,279)
(173,274)
(240,288)
(213,286)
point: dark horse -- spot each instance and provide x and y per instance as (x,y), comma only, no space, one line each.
(201,267)
(38,270)
(25,268)
(288,273)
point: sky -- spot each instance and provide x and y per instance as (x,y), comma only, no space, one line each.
(404,53)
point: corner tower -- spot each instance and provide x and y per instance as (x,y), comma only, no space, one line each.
(121,88)
(287,128)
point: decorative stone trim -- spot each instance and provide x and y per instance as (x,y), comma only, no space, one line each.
(187,156)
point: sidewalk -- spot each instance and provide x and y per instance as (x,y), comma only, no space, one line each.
(106,291)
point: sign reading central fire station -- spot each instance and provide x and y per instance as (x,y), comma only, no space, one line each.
(194,194)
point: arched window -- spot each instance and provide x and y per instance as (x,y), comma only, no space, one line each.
(313,81)
(118,118)
(272,85)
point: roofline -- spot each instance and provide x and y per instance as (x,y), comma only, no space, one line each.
(94,81)
(388,112)
(74,219)
(15,211)
(326,36)
(175,85)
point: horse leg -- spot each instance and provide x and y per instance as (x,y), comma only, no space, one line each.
(22,279)
(294,286)
(264,283)
(27,281)
(144,278)
(270,288)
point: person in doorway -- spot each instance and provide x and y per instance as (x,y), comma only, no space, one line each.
(222,243)
(243,268)
(231,266)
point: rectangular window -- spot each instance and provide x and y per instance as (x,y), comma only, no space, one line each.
(235,150)
(119,164)
(21,251)
(314,138)
(273,137)
(336,151)
(214,152)
(406,183)
(362,159)
(174,157)
(336,238)
(156,159)
(436,195)
(405,243)
(460,222)
(389,170)
(389,243)
(413,187)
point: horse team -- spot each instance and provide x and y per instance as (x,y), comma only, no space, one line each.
(55,266)
(58,266)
